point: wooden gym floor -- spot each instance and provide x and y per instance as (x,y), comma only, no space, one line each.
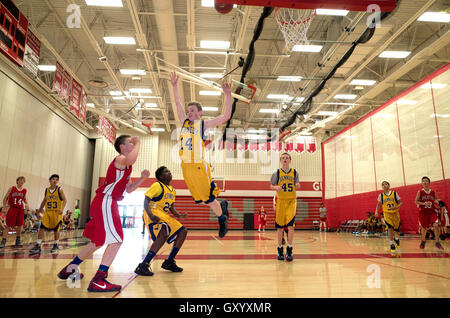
(241,265)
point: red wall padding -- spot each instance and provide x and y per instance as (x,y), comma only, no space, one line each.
(356,206)
(201,217)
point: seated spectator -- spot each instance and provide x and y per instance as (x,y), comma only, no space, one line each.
(28,222)
(2,221)
(68,221)
(37,220)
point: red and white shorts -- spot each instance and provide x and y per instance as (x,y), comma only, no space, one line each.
(105,226)
(323,219)
(15,217)
(427,218)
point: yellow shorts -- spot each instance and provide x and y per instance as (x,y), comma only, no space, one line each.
(51,221)
(285,213)
(199,181)
(392,220)
(167,223)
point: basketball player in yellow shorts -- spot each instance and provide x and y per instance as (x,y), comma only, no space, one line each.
(390,202)
(54,202)
(285,181)
(159,200)
(196,171)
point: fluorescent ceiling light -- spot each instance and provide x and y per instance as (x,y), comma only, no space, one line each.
(210,109)
(406,102)
(359,88)
(363,82)
(123,40)
(151,105)
(279,96)
(289,78)
(210,4)
(211,75)
(135,78)
(47,68)
(307,48)
(210,93)
(215,44)
(257,131)
(271,111)
(327,113)
(92,105)
(345,96)
(440,115)
(305,133)
(157,129)
(117,93)
(435,17)
(335,12)
(141,90)
(434,85)
(395,54)
(132,72)
(105,3)
(299,99)
(119,98)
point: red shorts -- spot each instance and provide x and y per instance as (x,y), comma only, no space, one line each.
(262,221)
(15,216)
(323,219)
(427,218)
(105,226)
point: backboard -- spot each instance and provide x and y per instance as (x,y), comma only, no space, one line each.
(351,5)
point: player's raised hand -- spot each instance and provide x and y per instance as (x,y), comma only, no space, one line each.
(145,174)
(135,140)
(226,88)
(173,78)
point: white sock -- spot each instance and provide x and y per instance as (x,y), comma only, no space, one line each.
(38,241)
(56,241)
(392,242)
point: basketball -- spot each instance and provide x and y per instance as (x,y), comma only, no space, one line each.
(223,8)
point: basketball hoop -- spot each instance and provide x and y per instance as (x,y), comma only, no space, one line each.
(294,25)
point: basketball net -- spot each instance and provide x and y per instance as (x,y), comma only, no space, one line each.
(294,25)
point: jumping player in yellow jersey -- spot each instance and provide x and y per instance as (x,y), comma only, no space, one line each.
(196,171)
(159,200)
(54,202)
(390,203)
(285,181)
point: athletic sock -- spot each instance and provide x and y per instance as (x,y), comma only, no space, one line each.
(38,241)
(56,242)
(173,253)
(149,257)
(103,268)
(76,261)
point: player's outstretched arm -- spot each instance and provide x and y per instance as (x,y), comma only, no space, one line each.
(175,212)
(123,161)
(228,107)
(180,110)
(377,208)
(133,186)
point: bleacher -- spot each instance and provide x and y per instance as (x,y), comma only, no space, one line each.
(201,217)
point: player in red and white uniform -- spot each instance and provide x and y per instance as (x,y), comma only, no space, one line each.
(262,216)
(444,220)
(428,218)
(14,204)
(105,226)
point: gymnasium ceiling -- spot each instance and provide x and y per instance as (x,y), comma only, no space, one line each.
(171,30)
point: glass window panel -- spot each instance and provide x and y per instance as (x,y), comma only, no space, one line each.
(363,165)
(330,171)
(442,104)
(344,175)
(419,137)
(386,143)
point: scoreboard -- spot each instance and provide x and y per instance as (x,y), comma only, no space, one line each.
(13,31)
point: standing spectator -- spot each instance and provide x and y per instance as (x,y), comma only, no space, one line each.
(323,217)
(428,218)
(444,220)
(76,216)
(68,221)
(262,219)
